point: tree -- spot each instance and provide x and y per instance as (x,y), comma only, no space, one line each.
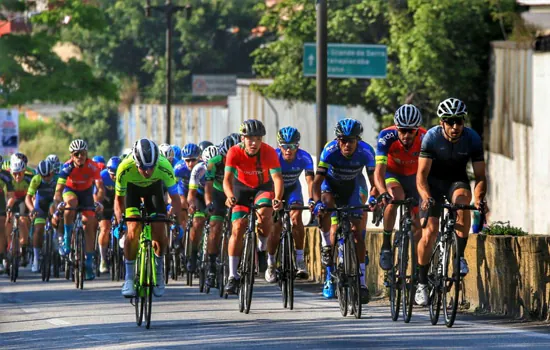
(435,50)
(30,70)
(96,122)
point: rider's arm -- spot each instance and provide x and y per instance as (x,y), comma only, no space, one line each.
(481,182)
(192,197)
(11,199)
(100,195)
(309,181)
(380,177)
(121,184)
(278,185)
(317,182)
(424,166)
(176,206)
(119,207)
(208,188)
(373,190)
(231,163)
(61,181)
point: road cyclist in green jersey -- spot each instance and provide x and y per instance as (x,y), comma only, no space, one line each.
(39,201)
(140,178)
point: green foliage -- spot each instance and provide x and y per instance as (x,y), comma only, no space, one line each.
(39,138)
(499,228)
(96,122)
(436,49)
(32,71)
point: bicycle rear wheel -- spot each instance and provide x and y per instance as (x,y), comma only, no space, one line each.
(45,256)
(14,269)
(82,264)
(341,290)
(434,279)
(451,278)
(223,266)
(49,255)
(290,270)
(394,277)
(148,284)
(281,270)
(408,271)
(353,278)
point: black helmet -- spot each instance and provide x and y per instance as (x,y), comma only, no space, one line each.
(252,127)
(145,153)
(226,144)
(204,144)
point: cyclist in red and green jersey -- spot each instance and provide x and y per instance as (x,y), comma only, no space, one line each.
(252,170)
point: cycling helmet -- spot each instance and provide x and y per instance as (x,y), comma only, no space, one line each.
(226,144)
(190,151)
(252,127)
(78,145)
(44,168)
(125,153)
(451,107)
(145,153)
(112,164)
(17,165)
(99,159)
(348,127)
(19,155)
(167,151)
(209,152)
(407,116)
(204,144)
(288,134)
(53,158)
(236,137)
(177,152)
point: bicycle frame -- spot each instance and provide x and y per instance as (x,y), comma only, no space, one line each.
(145,239)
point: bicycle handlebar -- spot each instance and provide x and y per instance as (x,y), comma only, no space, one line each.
(340,209)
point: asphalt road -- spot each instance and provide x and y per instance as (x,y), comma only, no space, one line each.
(34,314)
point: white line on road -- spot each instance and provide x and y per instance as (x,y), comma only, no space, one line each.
(30,310)
(58,322)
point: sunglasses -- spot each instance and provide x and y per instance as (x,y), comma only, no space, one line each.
(78,154)
(289,146)
(453,121)
(346,141)
(21,173)
(407,130)
(190,159)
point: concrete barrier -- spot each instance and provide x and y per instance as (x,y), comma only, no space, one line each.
(508,275)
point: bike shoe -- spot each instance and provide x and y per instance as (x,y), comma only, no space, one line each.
(421,297)
(328,290)
(90,275)
(301,270)
(211,280)
(232,285)
(128,289)
(464,269)
(158,290)
(385,259)
(103,268)
(270,274)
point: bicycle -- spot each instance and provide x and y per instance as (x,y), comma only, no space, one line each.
(115,253)
(401,279)
(145,273)
(49,257)
(444,280)
(222,264)
(187,250)
(15,254)
(171,261)
(77,260)
(97,254)
(247,265)
(286,258)
(202,260)
(347,273)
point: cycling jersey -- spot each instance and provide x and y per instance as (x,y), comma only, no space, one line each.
(39,188)
(390,151)
(183,175)
(215,171)
(127,173)
(19,189)
(79,178)
(198,179)
(252,171)
(340,168)
(109,185)
(449,159)
(291,170)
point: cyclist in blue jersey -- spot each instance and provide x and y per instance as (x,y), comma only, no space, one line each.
(337,183)
(177,154)
(56,163)
(108,175)
(168,152)
(293,162)
(444,154)
(190,154)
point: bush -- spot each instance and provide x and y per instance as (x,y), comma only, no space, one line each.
(499,228)
(46,142)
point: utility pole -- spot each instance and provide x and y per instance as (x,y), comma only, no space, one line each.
(321,75)
(169,10)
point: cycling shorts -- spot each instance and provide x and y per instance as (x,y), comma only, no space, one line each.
(293,194)
(153,198)
(408,183)
(262,194)
(344,193)
(218,205)
(441,189)
(85,199)
(42,207)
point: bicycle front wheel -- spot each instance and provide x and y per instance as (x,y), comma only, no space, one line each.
(148,284)
(251,270)
(451,278)
(339,272)
(290,270)
(434,279)
(46,254)
(408,271)
(139,299)
(82,264)
(353,278)
(14,269)
(394,276)
(223,266)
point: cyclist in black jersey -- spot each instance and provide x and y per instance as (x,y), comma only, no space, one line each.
(444,154)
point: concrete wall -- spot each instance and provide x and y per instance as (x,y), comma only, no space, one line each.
(519,182)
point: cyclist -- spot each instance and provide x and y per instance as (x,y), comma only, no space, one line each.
(177,153)
(16,189)
(445,152)
(56,163)
(395,174)
(337,183)
(100,161)
(252,169)
(190,157)
(108,177)
(144,175)
(203,144)
(39,201)
(197,206)
(18,155)
(75,188)
(293,162)
(215,202)
(168,152)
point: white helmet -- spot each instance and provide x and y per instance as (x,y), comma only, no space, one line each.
(167,151)
(209,153)
(451,107)
(145,153)
(407,116)
(44,168)
(17,165)
(78,145)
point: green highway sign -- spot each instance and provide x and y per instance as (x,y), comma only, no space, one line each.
(348,60)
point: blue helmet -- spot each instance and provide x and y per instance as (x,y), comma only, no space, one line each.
(177,152)
(99,159)
(112,164)
(348,128)
(190,150)
(288,134)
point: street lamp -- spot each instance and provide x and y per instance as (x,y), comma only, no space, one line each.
(169,10)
